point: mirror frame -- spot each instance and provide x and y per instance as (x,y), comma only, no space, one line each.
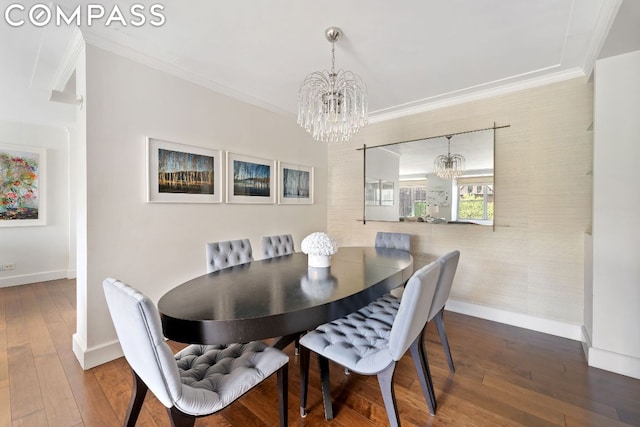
(364,149)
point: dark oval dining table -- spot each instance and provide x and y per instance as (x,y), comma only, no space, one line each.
(279,297)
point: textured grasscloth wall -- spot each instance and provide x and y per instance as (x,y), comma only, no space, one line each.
(532,263)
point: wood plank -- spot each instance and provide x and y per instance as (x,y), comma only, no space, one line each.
(48,310)
(26,397)
(90,399)
(39,338)
(59,403)
(4,360)
(3,317)
(117,389)
(35,419)
(12,304)
(5,406)
(153,411)
(65,307)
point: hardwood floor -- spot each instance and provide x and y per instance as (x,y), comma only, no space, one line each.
(505,376)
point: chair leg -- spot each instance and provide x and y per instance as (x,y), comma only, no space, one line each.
(323,362)
(443,338)
(424,374)
(283,395)
(304,379)
(138,392)
(385,379)
(179,418)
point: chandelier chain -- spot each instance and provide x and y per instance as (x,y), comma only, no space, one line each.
(333,57)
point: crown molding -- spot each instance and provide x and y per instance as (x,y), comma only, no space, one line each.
(606,17)
(165,64)
(69,61)
(472,94)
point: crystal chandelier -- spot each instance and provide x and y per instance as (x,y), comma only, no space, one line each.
(332,106)
(450,166)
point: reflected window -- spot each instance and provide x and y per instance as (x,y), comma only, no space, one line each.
(378,192)
(413,198)
(475,201)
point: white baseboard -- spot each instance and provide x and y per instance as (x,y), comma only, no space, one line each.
(72,274)
(614,362)
(610,361)
(551,327)
(596,357)
(5,282)
(586,342)
(89,358)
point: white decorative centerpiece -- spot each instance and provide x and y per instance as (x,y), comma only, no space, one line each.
(319,247)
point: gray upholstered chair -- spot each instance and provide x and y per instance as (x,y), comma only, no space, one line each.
(396,241)
(227,254)
(393,240)
(199,380)
(274,246)
(449,263)
(388,305)
(371,341)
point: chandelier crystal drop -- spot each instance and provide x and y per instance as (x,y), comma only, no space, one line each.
(450,166)
(332,105)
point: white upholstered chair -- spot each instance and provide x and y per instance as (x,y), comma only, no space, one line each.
(199,380)
(227,254)
(371,341)
(274,246)
(393,240)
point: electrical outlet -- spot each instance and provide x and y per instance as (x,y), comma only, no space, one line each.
(8,266)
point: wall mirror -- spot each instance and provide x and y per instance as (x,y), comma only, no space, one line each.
(402,184)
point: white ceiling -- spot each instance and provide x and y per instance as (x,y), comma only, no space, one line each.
(412,54)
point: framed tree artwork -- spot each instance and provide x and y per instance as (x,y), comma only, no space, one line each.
(295,184)
(179,173)
(250,179)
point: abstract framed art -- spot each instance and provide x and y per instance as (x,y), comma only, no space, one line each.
(22,185)
(179,173)
(250,179)
(295,184)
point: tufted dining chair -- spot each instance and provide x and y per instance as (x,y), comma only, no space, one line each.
(387,307)
(393,240)
(199,380)
(274,246)
(227,254)
(371,341)
(449,265)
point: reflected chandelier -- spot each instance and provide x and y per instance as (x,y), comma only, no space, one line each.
(332,105)
(450,166)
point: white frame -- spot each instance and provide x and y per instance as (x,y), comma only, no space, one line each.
(153,193)
(41,153)
(294,200)
(232,198)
